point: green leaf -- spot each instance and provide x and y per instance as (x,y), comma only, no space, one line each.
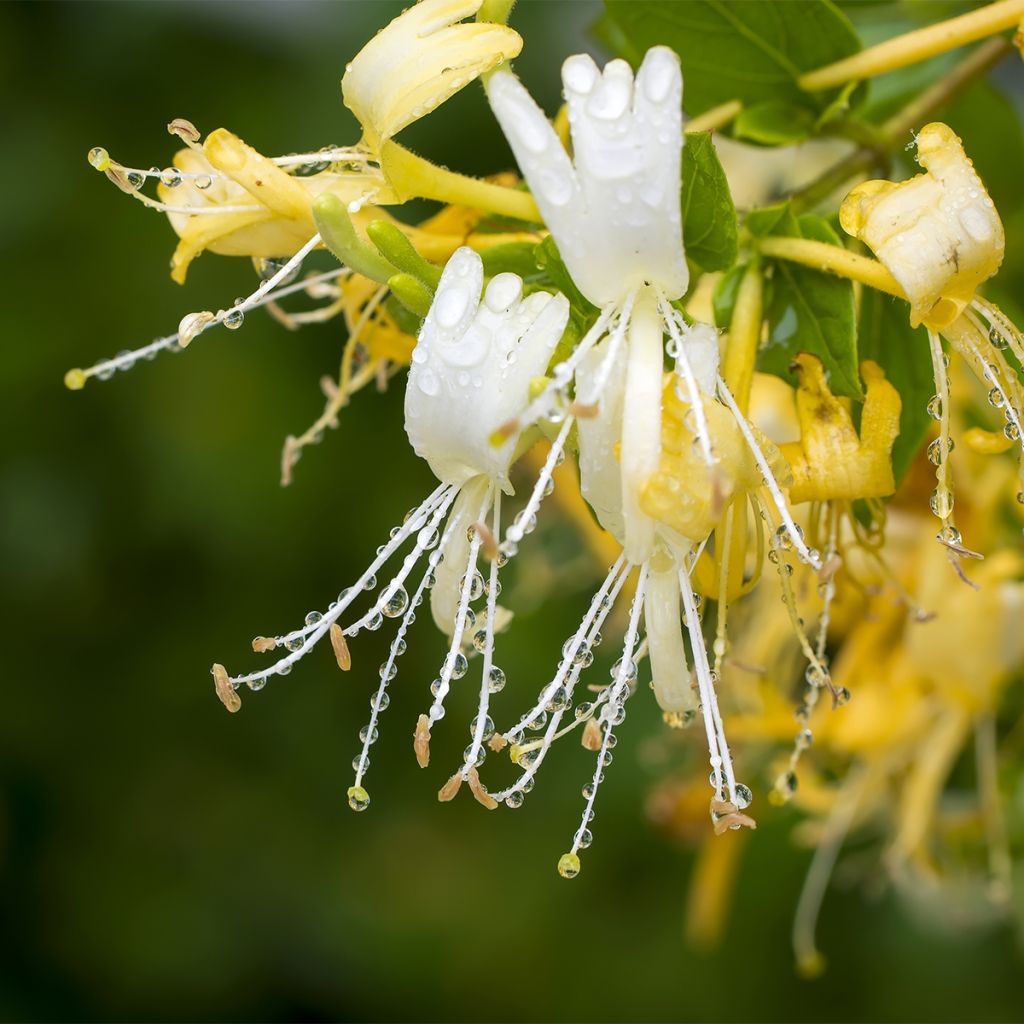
(809,311)
(723,299)
(549,259)
(885,335)
(773,220)
(709,216)
(774,123)
(750,50)
(511,257)
(990,126)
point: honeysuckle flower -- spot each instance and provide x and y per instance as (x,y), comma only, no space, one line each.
(422,58)
(226,197)
(478,351)
(929,666)
(940,237)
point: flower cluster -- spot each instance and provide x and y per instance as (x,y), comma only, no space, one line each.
(569,331)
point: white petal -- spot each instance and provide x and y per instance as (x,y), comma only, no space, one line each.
(472,367)
(616,215)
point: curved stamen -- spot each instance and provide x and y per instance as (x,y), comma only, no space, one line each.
(794,532)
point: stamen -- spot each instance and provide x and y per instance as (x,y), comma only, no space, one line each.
(105,369)
(718,749)
(301,642)
(673,321)
(600,606)
(809,959)
(225,689)
(794,532)
(522,521)
(576,657)
(562,375)
(611,715)
(941,500)
(443,684)
(340,647)
(817,672)
(483,728)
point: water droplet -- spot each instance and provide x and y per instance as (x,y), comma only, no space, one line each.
(934,407)
(358,798)
(568,865)
(396,603)
(495,680)
(234,318)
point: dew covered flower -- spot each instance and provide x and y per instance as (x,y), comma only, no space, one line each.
(224,196)
(941,238)
(477,353)
(665,460)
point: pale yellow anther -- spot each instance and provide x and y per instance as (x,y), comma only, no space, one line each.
(421,741)
(830,461)
(227,694)
(427,54)
(450,788)
(183,129)
(340,647)
(938,233)
(262,644)
(497,743)
(479,791)
(592,736)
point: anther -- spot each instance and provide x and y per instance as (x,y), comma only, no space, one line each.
(192,325)
(421,744)
(584,410)
(340,645)
(450,788)
(185,130)
(497,743)
(225,691)
(479,791)
(592,736)
(262,644)
(488,542)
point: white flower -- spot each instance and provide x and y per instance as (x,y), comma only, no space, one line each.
(476,356)
(472,368)
(614,208)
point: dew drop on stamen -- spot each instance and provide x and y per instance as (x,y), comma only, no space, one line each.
(396,603)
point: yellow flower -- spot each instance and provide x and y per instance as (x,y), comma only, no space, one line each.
(685,493)
(938,233)
(830,461)
(264,211)
(418,61)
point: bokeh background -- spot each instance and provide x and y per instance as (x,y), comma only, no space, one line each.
(163,860)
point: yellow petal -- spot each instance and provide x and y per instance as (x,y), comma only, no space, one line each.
(830,461)
(418,61)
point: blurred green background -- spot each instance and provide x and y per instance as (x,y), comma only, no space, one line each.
(163,860)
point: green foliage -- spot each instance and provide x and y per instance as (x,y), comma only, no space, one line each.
(750,50)
(774,123)
(885,335)
(807,311)
(709,216)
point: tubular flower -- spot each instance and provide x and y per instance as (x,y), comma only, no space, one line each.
(224,196)
(658,472)
(478,349)
(940,237)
